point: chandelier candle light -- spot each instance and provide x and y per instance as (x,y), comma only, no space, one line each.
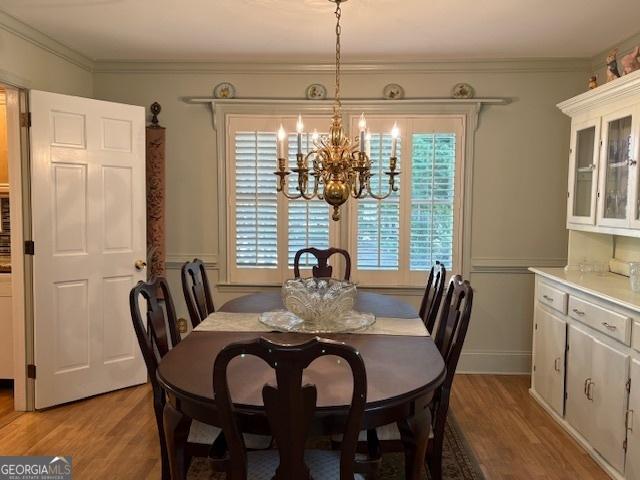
(340,165)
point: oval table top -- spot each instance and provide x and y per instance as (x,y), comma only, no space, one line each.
(400,369)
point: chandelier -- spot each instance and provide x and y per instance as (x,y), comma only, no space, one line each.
(341,166)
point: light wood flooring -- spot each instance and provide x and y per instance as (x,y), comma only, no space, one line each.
(114,435)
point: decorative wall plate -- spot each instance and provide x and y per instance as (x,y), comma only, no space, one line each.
(224,90)
(462,90)
(316,91)
(393,91)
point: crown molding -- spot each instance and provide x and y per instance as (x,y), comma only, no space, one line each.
(40,40)
(532,65)
(626,86)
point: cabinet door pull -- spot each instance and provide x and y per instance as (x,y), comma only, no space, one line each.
(632,162)
(589,391)
(628,420)
(586,385)
(578,312)
(609,326)
(556,364)
(547,298)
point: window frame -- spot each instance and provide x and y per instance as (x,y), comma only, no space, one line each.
(467,110)
(408,125)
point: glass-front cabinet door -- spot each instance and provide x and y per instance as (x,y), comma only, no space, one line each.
(617,169)
(583,174)
(635,172)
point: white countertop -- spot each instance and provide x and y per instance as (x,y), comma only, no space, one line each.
(611,287)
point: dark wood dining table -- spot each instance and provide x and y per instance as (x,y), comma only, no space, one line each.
(402,374)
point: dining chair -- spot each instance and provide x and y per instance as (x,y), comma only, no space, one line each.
(432,297)
(157,333)
(197,295)
(322,269)
(451,331)
(290,408)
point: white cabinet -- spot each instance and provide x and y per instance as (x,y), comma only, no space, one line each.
(550,345)
(596,394)
(583,172)
(603,189)
(608,391)
(579,408)
(632,470)
(586,354)
(618,168)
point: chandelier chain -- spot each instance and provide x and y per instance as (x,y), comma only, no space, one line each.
(338,32)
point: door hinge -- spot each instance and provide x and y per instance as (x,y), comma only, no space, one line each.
(29,247)
(566,395)
(31,371)
(624,445)
(598,195)
(25,119)
(534,368)
(568,194)
(628,385)
(535,326)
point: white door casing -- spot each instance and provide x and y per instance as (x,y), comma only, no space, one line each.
(89,228)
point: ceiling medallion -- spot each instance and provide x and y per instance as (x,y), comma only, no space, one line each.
(341,166)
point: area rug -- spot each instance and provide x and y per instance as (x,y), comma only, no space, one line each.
(458,461)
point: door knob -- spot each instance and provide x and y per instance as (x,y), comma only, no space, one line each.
(140,265)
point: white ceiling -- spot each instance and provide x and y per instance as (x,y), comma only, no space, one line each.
(303,29)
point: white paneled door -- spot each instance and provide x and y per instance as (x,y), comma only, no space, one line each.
(88,203)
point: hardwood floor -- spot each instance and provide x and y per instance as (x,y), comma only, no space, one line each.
(114,435)
(512,436)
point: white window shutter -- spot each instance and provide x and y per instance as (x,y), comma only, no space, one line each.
(256,200)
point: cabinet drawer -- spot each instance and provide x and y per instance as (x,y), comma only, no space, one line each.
(607,321)
(635,336)
(552,297)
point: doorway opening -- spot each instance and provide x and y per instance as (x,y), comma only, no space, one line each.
(13,326)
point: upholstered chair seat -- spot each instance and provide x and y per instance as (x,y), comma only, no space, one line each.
(323,464)
(204,434)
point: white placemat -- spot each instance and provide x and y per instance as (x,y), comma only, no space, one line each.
(250,322)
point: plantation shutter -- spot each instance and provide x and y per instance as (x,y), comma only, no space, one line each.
(256,215)
(432,199)
(308,222)
(378,240)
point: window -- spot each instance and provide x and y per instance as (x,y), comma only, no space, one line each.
(392,242)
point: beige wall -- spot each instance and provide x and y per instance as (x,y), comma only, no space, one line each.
(519,179)
(39,63)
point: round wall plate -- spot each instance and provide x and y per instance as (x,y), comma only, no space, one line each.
(462,90)
(393,91)
(224,90)
(316,91)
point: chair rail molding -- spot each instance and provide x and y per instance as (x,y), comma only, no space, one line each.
(469,109)
(513,265)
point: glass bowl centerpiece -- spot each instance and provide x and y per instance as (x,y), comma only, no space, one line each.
(317,305)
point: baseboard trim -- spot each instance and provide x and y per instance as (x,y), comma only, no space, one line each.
(495,362)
